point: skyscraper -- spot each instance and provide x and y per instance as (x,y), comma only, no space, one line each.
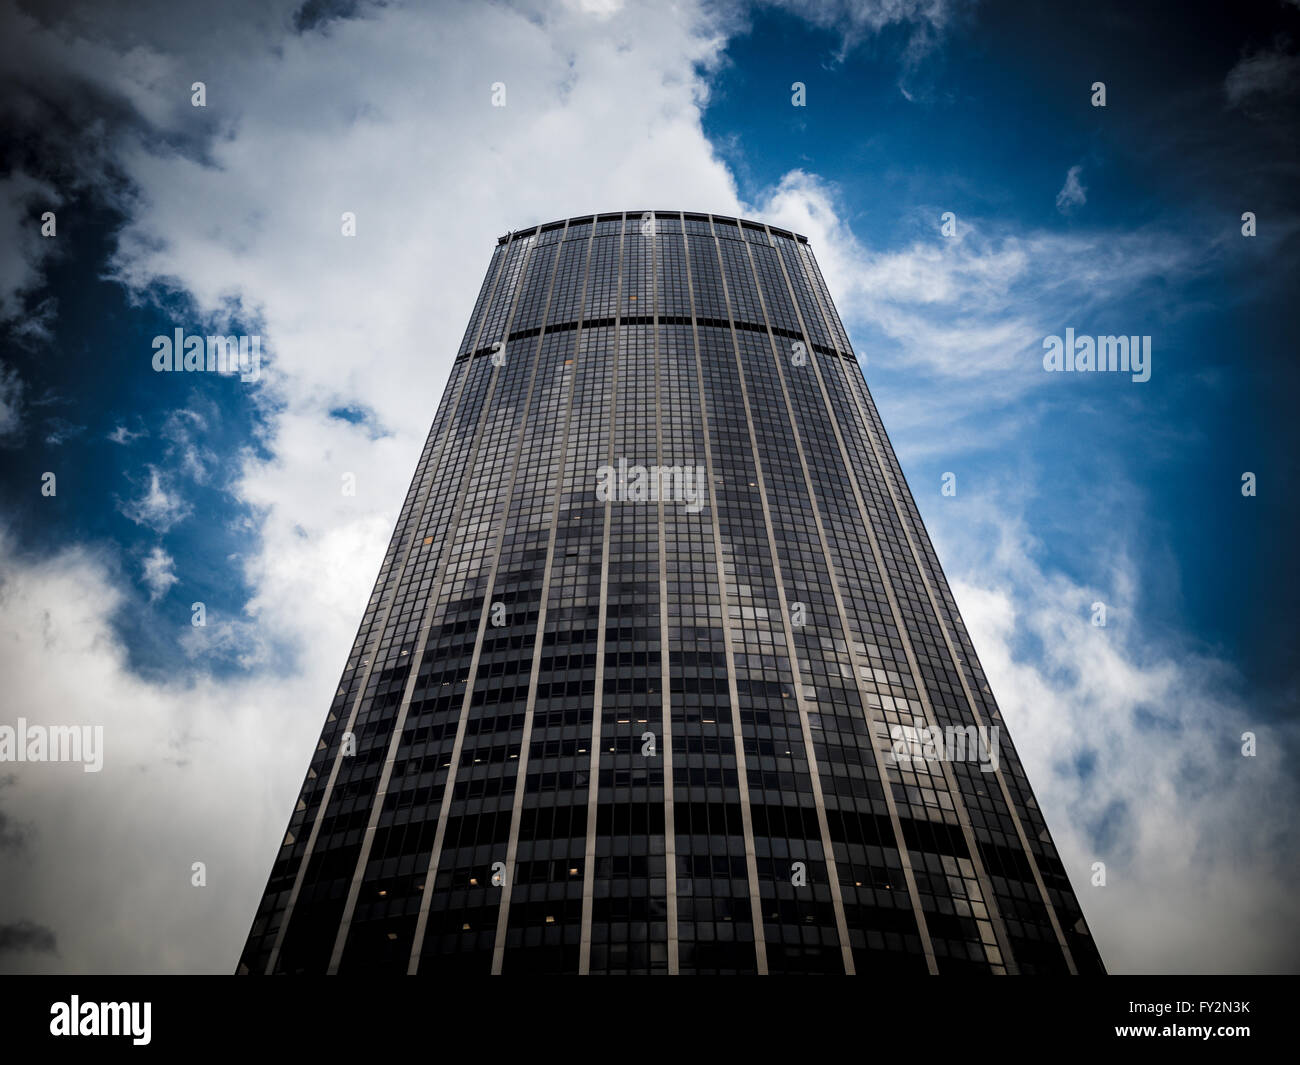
(661,672)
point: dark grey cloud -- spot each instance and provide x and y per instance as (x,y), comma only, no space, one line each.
(315,14)
(26,936)
(12,836)
(1273,71)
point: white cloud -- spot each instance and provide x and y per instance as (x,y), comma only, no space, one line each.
(599,8)
(192,772)
(227,640)
(159,573)
(1199,871)
(122,435)
(159,506)
(182,430)
(1072,193)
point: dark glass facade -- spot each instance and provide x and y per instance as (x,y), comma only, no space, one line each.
(620,732)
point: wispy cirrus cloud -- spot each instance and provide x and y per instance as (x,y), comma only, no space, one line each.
(856,21)
(120,434)
(1270,71)
(184,430)
(160,505)
(977,305)
(1072,194)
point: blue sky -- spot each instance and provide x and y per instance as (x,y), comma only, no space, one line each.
(1072,488)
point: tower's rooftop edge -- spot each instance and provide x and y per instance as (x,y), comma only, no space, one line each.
(690,216)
